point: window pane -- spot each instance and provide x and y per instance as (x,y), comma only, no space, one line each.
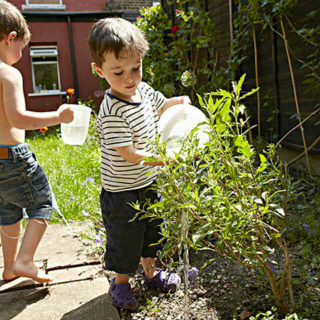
(42,59)
(46,77)
(44,1)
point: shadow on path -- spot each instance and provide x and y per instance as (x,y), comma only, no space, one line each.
(95,309)
(13,306)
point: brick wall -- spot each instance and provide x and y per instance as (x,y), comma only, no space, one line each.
(92,5)
(129,4)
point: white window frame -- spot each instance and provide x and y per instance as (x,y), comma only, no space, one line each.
(48,51)
(45,6)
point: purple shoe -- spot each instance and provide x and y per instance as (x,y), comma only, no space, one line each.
(166,281)
(122,296)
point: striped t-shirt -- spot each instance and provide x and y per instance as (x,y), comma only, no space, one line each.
(121,123)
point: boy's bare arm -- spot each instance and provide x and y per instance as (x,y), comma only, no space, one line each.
(15,107)
(132,155)
(173,101)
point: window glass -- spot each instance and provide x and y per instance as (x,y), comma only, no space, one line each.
(44,2)
(46,77)
(45,68)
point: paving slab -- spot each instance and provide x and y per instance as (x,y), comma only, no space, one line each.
(61,244)
(59,276)
(85,300)
(75,274)
(16,284)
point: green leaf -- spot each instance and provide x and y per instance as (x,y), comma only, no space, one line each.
(249,93)
(196,237)
(200,100)
(281,212)
(238,142)
(225,110)
(240,83)
(257,200)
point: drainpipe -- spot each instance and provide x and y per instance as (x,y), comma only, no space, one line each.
(73,59)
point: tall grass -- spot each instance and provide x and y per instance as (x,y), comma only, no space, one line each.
(73,172)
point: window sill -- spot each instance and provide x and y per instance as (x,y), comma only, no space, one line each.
(43,7)
(48,93)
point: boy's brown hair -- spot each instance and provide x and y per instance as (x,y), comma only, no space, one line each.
(115,35)
(11,19)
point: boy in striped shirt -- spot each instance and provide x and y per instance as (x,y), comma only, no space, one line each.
(127,120)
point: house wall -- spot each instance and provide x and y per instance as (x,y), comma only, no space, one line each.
(134,5)
(47,34)
(95,5)
(54,31)
(50,34)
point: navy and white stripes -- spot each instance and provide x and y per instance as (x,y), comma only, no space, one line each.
(122,123)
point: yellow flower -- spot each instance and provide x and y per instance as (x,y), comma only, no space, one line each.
(70,91)
(44,130)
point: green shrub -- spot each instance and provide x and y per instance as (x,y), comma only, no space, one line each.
(181,58)
(269,315)
(231,200)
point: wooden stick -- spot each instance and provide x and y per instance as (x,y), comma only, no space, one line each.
(309,116)
(231,22)
(257,77)
(76,265)
(295,94)
(301,154)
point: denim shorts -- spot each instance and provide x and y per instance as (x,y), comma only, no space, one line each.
(128,241)
(24,188)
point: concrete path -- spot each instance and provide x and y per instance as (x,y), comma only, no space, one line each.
(78,291)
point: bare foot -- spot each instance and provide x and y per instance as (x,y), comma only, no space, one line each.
(8,275)
(30,270)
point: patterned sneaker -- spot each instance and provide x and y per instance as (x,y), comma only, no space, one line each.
(166,281)
(122,296)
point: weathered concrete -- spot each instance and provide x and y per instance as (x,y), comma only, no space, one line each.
(60,244)
(85,300)
(79,288)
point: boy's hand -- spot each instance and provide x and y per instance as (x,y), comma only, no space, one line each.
(182,100)
(66,113)
(174,101)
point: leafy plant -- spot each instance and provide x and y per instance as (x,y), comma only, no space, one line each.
(270,315)
(233,197)
(181,58)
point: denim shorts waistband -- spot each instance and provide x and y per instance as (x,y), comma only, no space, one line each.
(8,145)
(15,152)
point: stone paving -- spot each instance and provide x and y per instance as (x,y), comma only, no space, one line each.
(78,291)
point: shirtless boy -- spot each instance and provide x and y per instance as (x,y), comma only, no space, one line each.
(24,187)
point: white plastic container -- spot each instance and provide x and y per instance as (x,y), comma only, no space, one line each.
(176,123)
(75,132)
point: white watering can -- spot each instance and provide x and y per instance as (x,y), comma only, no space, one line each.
(176,123)
(76,131)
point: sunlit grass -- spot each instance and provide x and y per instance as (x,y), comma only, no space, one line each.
(73,172)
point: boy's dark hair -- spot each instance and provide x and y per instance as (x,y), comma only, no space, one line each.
(11,19)
(115,35)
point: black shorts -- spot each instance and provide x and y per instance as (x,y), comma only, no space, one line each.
(128,241)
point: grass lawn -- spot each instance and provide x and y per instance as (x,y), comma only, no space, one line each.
(73,172)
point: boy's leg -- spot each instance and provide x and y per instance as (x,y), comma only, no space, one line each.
(9,239)
(149,267)
(121,278)
(24,265)
(154,277)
